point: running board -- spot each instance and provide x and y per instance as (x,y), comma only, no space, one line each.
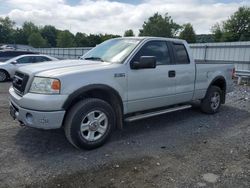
(156,113)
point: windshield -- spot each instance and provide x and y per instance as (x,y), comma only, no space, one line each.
(114,50)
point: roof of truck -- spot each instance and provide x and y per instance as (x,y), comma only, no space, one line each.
(149,37)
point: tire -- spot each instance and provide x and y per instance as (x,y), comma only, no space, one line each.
(4,76)
(212,101)
(89,123)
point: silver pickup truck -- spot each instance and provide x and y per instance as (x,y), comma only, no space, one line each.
(120,80)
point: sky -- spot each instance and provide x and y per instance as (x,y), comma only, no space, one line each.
(116,16)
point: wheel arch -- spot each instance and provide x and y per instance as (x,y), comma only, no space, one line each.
(220,82)
(100,91)
(8,74)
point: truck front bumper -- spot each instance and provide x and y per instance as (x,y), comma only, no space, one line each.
(37,110)
(37,119)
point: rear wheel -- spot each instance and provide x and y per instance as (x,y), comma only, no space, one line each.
(89,123)
(212,101)
(3,76)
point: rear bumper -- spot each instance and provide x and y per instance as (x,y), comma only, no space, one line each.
(37,119)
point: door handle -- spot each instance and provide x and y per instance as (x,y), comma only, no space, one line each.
(171,73)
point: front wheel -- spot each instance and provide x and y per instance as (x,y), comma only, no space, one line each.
(89,123)
(212,101)
(3,76)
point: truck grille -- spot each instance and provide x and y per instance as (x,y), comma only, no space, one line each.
(19,82)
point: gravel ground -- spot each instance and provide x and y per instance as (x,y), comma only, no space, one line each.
(181,149)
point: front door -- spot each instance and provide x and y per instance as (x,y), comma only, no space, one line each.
(22,61)
(152,88)
(26,60)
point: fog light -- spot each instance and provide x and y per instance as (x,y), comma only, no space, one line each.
(29,118)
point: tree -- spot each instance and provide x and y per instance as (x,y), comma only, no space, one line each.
(84,40)
(93,40)
(49,33)
(217,32)
(159,26)
(81,40)
(29,28)
(204,38)
(238,25)
(36,40)
(188,33)
(107,37)
(19,36)
(129,33)
(236,28)
(65,39)
(6,30)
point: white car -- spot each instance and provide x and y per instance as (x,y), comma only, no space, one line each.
(8,68)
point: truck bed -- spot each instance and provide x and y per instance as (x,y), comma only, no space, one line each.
(206,72)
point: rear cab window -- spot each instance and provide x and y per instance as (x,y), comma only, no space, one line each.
(181,55)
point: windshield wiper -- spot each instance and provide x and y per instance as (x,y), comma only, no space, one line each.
(94,59)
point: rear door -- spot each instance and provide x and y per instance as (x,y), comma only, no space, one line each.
(152,88)
(39,59)
(185,73)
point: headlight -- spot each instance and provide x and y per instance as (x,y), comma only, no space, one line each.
(45,86)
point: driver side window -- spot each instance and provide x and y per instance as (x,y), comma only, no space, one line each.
(159,49)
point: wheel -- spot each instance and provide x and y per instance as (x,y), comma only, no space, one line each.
(89,123)
(212,101)
(3,76)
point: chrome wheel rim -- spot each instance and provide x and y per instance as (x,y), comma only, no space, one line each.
(2,76)
(94,125)
(215,100)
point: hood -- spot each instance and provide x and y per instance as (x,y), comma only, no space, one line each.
(3,63)
(57,68)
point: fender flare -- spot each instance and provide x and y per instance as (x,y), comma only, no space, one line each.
(117,103)
(224,89)
(8,74)
(87,88)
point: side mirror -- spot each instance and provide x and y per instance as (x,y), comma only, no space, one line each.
(146,62)
(14,62)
